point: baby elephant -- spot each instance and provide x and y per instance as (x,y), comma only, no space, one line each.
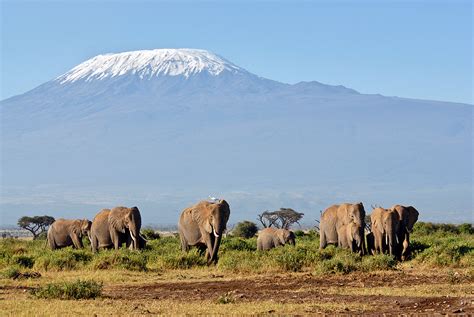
(63,233)
(270,238)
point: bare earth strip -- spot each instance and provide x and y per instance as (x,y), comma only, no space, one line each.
(302,293)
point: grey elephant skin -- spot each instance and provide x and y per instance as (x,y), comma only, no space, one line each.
(385,226)
(335,217)
(270,238)
(116,226)
(202,226)
(350,237)
(408,217)
(63,233)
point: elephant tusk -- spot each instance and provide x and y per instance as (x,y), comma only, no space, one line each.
(215,233)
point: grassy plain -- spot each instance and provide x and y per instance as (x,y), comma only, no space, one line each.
(287,280)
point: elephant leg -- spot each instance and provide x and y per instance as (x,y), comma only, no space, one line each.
(377,242)
(210,246)
(406,250)
(184,243)
(322,239)
(114,236)
(76,241)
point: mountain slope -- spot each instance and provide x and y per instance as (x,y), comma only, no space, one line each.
(163,128)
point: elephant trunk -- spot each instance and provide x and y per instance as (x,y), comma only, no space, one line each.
(392,242)
(135,234)
(215,248)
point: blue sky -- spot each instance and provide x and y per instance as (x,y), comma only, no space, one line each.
(420,49)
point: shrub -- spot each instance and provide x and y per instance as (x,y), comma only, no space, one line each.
(182,261)
(245,229)
(244,262)
(63,259)
(446,252)
(69,290)
(466,228)
(343,262)
(290,261)
(23,260)
(120,259)
(11,272)
(299,233)
(239,244)
(378,262)
(150,234)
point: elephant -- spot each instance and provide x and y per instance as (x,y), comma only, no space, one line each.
(337,216)
(63,233)
(202,226)
(270,238)
(350,237)
(385,226)
(113,227)
(408,217)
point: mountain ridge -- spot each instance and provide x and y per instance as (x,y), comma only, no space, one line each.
(164,143)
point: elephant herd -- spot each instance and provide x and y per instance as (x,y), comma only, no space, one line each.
(203,225)
(344,226)
(110,229)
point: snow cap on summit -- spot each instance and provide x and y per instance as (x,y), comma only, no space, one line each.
(150,63)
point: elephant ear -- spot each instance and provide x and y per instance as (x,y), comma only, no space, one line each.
(76,227)
(200,214)
(412,217)
(116,220)
(86,225)
(225,210)
(378,223)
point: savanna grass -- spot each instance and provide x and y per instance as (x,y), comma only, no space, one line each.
(78,289)
(436,249)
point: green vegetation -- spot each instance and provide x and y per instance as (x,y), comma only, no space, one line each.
(245,229)
(150,234)
(442,247)
(69,290)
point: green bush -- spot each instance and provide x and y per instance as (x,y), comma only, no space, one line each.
(290,261)
(23,260)
(378,262)
(466,228)
(150,234)
(181,261)
(245,229)
(244,262)
(299,233)
(342,262)
(239,244)
(63,259)
(427,228)
(120,259)
(11,272)
(69,290)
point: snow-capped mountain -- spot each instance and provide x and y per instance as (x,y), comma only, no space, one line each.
(161,129)
(150,63)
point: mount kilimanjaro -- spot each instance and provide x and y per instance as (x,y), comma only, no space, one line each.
(163,128)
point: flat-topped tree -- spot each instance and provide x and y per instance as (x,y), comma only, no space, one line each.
(36,224)
(282,219)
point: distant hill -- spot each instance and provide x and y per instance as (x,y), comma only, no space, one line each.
(164,128)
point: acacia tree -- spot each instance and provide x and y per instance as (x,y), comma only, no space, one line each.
(283,218)
(36,225)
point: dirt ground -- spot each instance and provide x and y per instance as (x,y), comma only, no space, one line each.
(382,293)
(345,289)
